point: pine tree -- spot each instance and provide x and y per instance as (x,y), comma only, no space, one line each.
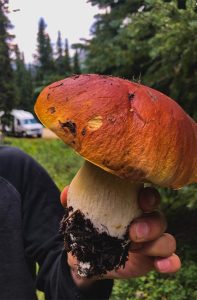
(24,83)
(76,64)
(44,52)
(67,64)
(7,88)
(59,45)
(60,66)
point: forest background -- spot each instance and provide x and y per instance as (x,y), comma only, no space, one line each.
(150,42)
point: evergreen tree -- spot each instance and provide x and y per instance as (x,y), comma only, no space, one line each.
(59,46)
(44,52)
(7,88)
(24,82)
(76,64)
(60,63)
(67,64)
(49,53)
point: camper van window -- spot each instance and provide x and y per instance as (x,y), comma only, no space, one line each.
(18,122)
(29,121)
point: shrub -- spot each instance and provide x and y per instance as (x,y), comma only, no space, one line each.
(154,286)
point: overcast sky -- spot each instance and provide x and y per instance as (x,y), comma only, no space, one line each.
(72,17)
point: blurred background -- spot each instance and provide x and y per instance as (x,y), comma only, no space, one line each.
(152,42)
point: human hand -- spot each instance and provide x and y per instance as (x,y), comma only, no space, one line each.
(151,247)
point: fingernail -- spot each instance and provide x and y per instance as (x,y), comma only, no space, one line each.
(142,230)
(163,265)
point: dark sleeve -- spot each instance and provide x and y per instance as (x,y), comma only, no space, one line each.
(41,213)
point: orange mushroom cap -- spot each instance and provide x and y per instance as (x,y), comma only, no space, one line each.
(126,128)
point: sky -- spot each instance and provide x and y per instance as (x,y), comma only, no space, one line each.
(72,17)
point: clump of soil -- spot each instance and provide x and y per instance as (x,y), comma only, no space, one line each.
(97,252)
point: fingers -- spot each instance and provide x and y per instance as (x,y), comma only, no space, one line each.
(164,246)
(63,196)
(148,227)
(149,199)
(137,265)
(168,265)
(72,261)
(140,265)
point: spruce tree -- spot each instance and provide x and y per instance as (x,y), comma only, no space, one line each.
(76,64)
(44,52)
(7,88)
(67,64)
(60,59)
(59,45)
(24,83)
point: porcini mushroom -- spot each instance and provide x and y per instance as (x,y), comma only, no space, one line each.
(128,134)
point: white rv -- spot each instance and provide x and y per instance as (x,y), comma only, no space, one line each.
(20,123)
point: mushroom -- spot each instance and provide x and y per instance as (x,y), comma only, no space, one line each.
(129,135)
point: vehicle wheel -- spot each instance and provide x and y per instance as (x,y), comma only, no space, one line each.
(39,135)
(23,134)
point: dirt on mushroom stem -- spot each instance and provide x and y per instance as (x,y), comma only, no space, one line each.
(97,252)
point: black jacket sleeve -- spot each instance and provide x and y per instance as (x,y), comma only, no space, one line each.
(41,214)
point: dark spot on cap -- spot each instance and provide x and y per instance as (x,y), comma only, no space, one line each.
(75,76)
(83,132)
(52,110)
(114,167)
(133,173)
(131,96)
(70,125)
(56,86)
(106,162)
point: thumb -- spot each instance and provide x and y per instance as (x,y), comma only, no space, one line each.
(63,196)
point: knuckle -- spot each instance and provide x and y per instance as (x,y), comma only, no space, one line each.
(171,242)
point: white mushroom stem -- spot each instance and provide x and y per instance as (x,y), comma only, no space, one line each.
(107,200)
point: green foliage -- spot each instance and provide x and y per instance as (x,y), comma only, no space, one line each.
(24,85)
(185,197)
(62,62)
(59,45)
(52,67)
(76,65)
(181,286)
(152,41)
(20,84)
(67,64)
(173,52)
(44,52)
(41,84)
(7,87)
